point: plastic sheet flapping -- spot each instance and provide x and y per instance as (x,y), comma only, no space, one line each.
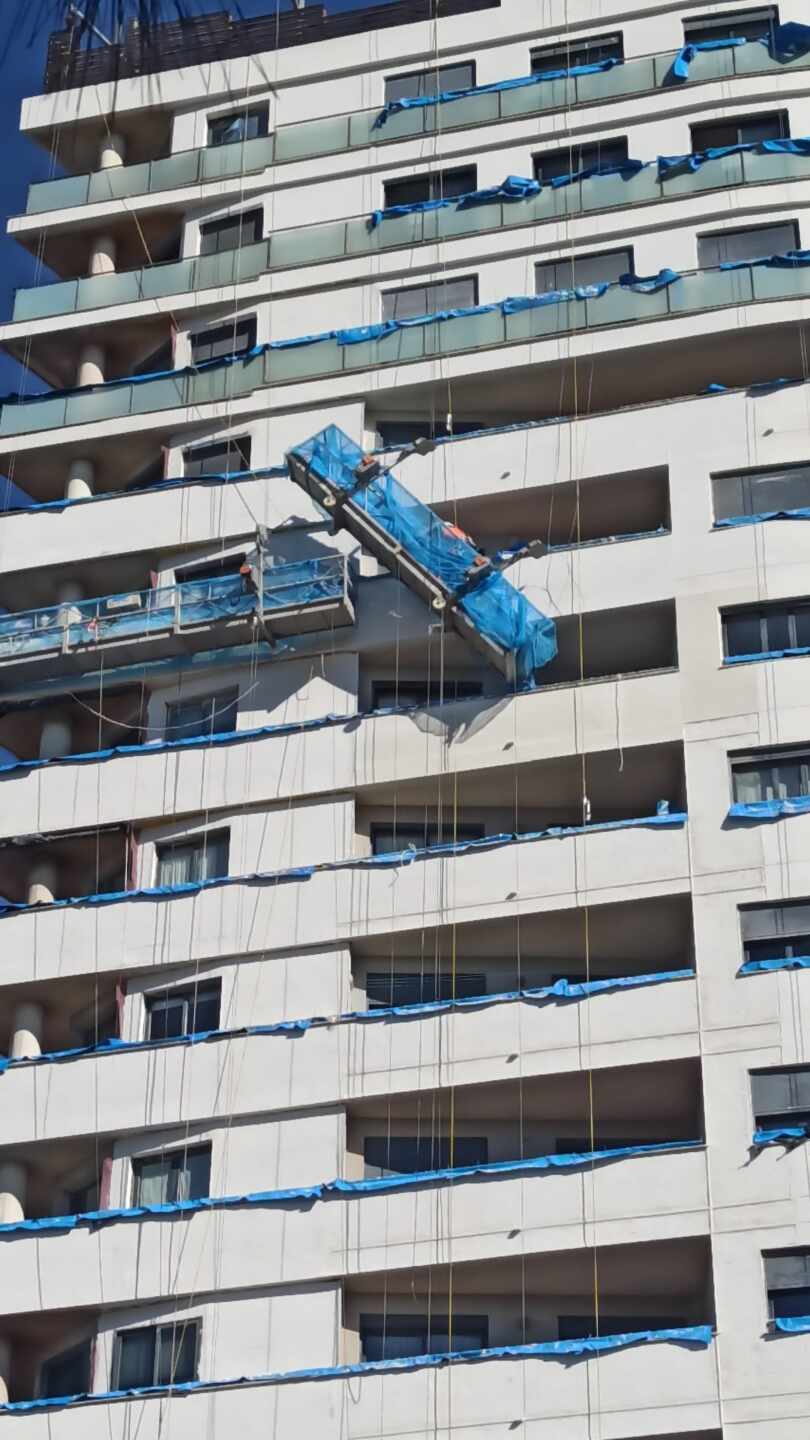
(770,809)
(178,482)
(698,1336)
(391,859)
(519,82)
(792,1324)
(495,607)
(561,990)
(766,655)
(784,962)
(308,1194)
(784,42)
(669,165)
(783,1135)
(733,520)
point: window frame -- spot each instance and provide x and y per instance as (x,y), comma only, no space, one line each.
(195,1324)
(590,148)
(176,1159)
(716,23)
(260,112)
(747,482)
(215,699)
(473,830)
(567,51)
(425,73)
(188,997)
(773,1290)
(213,333)
(398,1324)
(745,230)
(459,690)
(428,287)
(789,609)
(237,221)
(441,985)
(781,935)
(770,758)
(627,251)
(197,843)
(435,181)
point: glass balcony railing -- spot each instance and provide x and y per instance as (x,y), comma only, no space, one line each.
(309,139)
(137,614)
(692,293)
(342,239)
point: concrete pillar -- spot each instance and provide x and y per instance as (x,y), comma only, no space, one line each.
(13,1184)
(112,152)
(91,366)
(26,1032)
(102,256)
(5,1370)
(42,883)
(56,736)
(81,479)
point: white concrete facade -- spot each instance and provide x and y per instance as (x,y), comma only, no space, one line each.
(640,712)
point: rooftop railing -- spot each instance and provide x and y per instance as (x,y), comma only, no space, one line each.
(334,134)
(347,239)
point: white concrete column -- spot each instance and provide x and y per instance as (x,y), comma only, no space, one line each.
(102,256)
(91,366)
(81,479)
(26,1032)
(42,883)
(112,152)
(5,1370)
(13,1184)
(56,737)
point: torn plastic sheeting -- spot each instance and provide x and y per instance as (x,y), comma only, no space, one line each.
(514,187)
(785,42)
(766,655)
(305,1194)
(175,482)
(495,607)
(520,82)
(761,519)
(561,990)
(792,1324)
(783,962)
(791,260)
(782,1135)
(696,159)
(700,1336)
(770,809)
(305,872)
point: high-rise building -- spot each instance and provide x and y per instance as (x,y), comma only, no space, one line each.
(405,732)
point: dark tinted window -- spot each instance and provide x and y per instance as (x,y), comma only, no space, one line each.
(223,340)
(231,233)
(156,1355)
(430,82)
(415,987)
(776,932)
(386,837)
(391,1337)
(409,1154)
(761,492)
(387,693)
(580,1327)
(224,457)
(608,266)
(743,130)
(763,628)
(441,185)
(241,125)
(66,1374)
(173,1175)
(781,1095)
(413,300)
(404,432)
(83,1199)
(577,52)
(787,1277)
(716,249)
(156,361)
(211,569)
(183,1012)
(771,775)
(571,159)
(204,715)
(746,24)
(189,861)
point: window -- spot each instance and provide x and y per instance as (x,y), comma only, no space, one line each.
(781,1096)
(771,775)
(763,628)
(241,125)
(231,233)
(387,693)
(172,1175)
(580,1327)
(430,82)
(156,1355)
(225,457)
(742,131)
(204,715)
(66,1374)
(728,245)
(183,1012)
(571,159)
(407,1154)
(419,834)
(776,932)
(156,361)
(414,987)
(404,432)
(442,185)
(228,339)
(761,492)
(392,1337)
(428,299)
(211,569)
(588,51)
(787,1276)
(583,270)
(745,24)
(187,861)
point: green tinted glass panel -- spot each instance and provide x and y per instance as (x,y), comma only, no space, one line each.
(773,284)
(175,170)
(315,137)
(42,415)
(171,279)
(45,300)
(98,290)
(117,182)
(545,95)
(632,78)
(304,247)
(57,194)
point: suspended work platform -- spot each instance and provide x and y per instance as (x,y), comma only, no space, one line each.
(432,557)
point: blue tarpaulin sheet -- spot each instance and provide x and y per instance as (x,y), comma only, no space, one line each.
(562,990)
(782,1135)
(392,859)
(520,82)
(783,962)
(700,1336)
(770,809)
(694,160)
(766,655)
(308,1194)
(761,519)
(784,42)
(792,1324)
(495,607)
(235,477)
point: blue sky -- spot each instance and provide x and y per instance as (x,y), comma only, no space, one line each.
(23,65)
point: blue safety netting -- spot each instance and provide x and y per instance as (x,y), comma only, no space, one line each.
(561,990)
(770,809)
(792,1324)
(783,962)
(520,82)
(144,612)
(783,42)
(732,520)
(495,607)
(698,1336)
(325,1190)
(766,655)
(392,859)
(230,477)
(782,1135)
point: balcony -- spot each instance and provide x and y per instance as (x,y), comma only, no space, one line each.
(696,292)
